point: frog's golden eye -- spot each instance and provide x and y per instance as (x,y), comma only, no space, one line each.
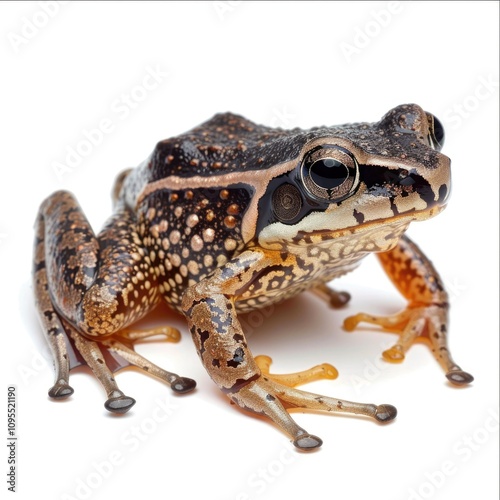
(329,173)
(287,202)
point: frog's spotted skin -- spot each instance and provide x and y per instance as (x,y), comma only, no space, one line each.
(232,216)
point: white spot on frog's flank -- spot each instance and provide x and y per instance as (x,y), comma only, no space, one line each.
(175,236)
(175,260)
(230,244)
(193,267)
(221,260)
(196,243)
(208,235)
(192,220)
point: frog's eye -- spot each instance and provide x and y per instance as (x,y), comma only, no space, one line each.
(329,173)
(436,132)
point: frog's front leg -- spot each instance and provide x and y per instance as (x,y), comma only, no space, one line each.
(88,289)
(427,312)
(211,313)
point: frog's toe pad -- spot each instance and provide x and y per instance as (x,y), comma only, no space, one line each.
(394,355)
(339,299)
(60,391)
(459,377)
(307,442)
(119,404)
(183,384)
(385,413)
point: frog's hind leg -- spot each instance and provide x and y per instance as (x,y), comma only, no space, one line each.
(89,288)
(52,326)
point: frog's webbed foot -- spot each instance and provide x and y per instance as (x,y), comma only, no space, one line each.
(417,322)
(332,297)
(268,397)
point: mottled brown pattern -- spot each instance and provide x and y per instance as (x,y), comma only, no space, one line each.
(231,217)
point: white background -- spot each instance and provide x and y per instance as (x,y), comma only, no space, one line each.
(281,64)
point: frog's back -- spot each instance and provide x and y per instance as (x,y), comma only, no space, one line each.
(224,144)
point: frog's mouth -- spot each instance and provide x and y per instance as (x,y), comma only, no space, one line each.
(372,236)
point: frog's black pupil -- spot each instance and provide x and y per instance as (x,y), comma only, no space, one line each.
(328,173)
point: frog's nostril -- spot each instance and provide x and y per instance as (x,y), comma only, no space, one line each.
(436,132)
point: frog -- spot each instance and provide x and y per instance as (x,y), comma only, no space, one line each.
(232,217)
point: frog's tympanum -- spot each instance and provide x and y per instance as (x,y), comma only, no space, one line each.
(231,217)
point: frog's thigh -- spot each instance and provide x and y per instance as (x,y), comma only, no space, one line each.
(65,260)
(427,313)
(221,344)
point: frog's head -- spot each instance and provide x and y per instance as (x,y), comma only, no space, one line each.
(363,178)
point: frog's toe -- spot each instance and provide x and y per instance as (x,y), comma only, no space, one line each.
(394,355)
(60,390)
(307,442)
(119,403)
(182,385)
(332,297)
(459,377)
(385,413)
(324,371)
(177,383)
